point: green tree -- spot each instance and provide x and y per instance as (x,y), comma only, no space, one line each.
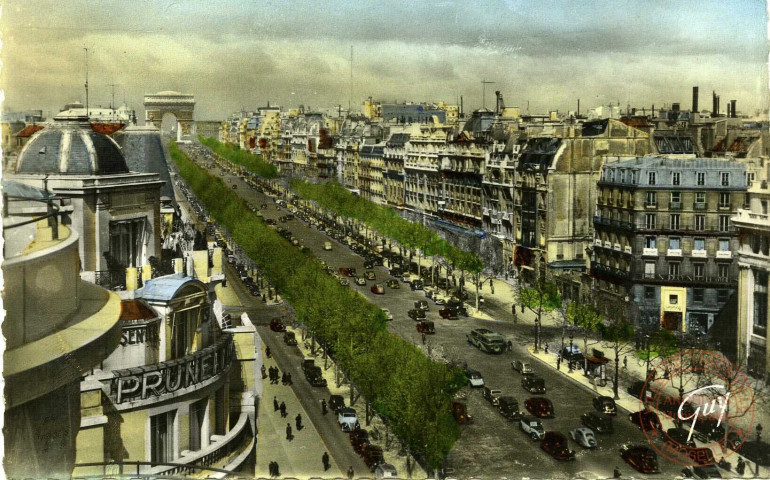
(586,318)
(616,333)
(542,298)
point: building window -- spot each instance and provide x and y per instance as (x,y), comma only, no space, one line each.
(760,302)
(699,243)
(725,178)
(700,178)
(649,221)
(724,244)
(650,199)
(700,222)
(622,176)
(722,295)
(673,299)
(755,364)
(723,270)
(724,199)
(675,178)
(198,427)
(649,269)
(724,223)
(651,178)
(674,243)
(697,295)
(649,293)
(674,221)
(698,270)
(162,437)
(676,197)
(673,269)
(700,198)
(127,239)
(650,242)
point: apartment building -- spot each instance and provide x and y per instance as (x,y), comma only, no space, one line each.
(664,240)
(497,195)
(423,192)
(371,180)
(394,155)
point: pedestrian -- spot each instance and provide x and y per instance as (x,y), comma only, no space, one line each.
(323,407)
(522,308)
(283,410)
(666,373)
(510,345)
(546,348)
(409,467)
(491,286)
(558,362)
(616,473)
(283,378)
(289,436)
(264,372)
(625,362)
(325,461)
(267,352)
(741,467)
(271,469)
(275,404)
(298,421)
(351,473)
(277,469)
(288,379)
(423,339)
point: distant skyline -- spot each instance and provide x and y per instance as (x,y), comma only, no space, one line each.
(240,54)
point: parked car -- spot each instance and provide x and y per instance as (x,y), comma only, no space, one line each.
(492,395)
(336,403)
(448,313)
(671,406)
(361,281)
(555,444)
(533,384)
(369,274)
(388,315)
(289,338)
(584,437)
(598,422)
(393,283)
(385,470)
(368,263)
(523,368)
(605,404)
(359,438)
(677,438)
(486,340)
(474,378)
(638,389)
(539,407)
(708,430)
(373,456)
(460,412)
(532,427)
(344,282)
(509,408)
(416,314)
(313,373)
(646,420)
(277,325)
(701,471)
(425,327)
(572,353)
(641,458)
(421,304)
(416,284)
(377,289)
(347,419)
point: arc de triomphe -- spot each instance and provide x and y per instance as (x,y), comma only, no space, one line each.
(181,105)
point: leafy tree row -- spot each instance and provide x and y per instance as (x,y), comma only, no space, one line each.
(412,236)
(410,391)
(254,163)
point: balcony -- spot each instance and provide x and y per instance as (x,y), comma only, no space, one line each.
(615,224)
(752,220)
(701,280)
(650,206)
(605,272)
(724,254)
(705,229)
(698,254)
(674,205)
(700,206)
(674,252)
(649,252)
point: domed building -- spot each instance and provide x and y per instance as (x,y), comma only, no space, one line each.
(114,210)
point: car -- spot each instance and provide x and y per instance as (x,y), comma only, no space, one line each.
(572,353)
(533,384)
(641,458)
(598,422)
(701,471)
(677,438)
(336,403)
(646,420)
(638,389)
(532,427)
(330,270)
(388,315)
(708,430)
(344,282)
(378,289)
(460,413)
(370,275)
(425,327)
(605,404)
(555,444)
(271,221)
(671,406)
(448,313)
(416,314)
(474,378)
(369,264)
(416,284)
(373,456)
(361,281)
(393,283)
(235,187)
(347,419)
(539,407)
(509,408)
(492,395)
(756,451)
(289,338)
(359,438)
(421,304)
(584,437)
(439,299)
(385,470)
(523,368)
(277,325)
(327,245)
(486,340)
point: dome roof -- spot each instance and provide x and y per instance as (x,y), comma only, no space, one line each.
(71,147)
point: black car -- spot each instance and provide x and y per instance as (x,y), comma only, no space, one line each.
(336,402)
(597,422)
(646,420)
(368,264)
(416,284)
(605,404)
(677,438)
(555,444)
(701,472)
(533,384)
(708,430)
(392,283)
(416,314)
(289,338)
(421,304)
(509,408)
(638,389)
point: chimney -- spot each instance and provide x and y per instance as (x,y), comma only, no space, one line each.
(675,107)
(728,110)
(578,112)
(732,109)
(714,104)
(718,105)
(694,99)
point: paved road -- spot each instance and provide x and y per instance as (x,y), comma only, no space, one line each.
(491,447)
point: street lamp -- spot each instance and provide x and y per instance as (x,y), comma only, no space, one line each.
(569,370)
(647,368)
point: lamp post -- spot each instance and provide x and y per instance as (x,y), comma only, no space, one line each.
(569,370)
(647,367)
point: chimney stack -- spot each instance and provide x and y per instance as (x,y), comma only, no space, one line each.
(578,111)
(728,110)
(714,104)
(694,99)
(732,109)
(675,107)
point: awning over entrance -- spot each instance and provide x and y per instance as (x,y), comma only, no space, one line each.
(576,264)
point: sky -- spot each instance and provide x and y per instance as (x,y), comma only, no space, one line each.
(242,54)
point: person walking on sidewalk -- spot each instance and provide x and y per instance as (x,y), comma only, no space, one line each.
(513,312)
(509,345)
(625,362)
(325,461)
(546,348)
(423,339)
(275,404)
(351,473)
(323,407)
(558,361)
(283,378)
(288,379)
(283,410)
(277,469)
(264,372)
(289,436)
(491,286)
(298,421)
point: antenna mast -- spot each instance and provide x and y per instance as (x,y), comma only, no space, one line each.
(88,113)
(350,96)
(113,85)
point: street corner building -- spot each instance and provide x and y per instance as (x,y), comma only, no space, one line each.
(113,366)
